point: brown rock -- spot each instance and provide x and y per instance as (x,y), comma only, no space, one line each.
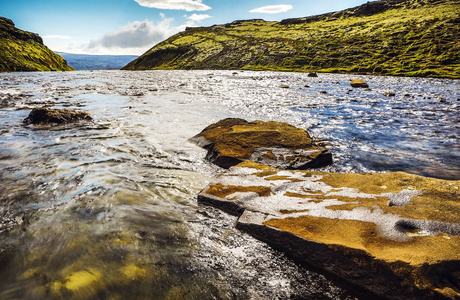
(57,116)
(231,141)
(395,234)
(359,83)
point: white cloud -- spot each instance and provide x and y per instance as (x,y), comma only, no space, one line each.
(198,17)
(193,20)
(187,5)
(272,9)
(56,37)
(133,38)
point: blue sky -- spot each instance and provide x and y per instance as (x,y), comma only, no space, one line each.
(134,26)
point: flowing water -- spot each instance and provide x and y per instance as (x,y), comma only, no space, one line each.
(107,210)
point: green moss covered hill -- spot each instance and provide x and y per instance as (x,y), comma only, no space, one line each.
(392,37)
(24,51)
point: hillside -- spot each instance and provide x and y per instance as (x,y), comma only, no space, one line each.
(24,51)
(96,62)
(391,37)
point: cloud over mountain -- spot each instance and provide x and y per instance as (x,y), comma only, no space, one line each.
(198,17)
(187,5)
(272,9)
(135,37)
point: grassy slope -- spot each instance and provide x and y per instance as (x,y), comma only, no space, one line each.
(412,38)
(24,51)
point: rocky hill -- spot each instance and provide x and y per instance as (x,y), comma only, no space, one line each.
(24,51)
(391,37)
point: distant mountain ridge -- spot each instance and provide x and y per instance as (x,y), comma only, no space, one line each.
(391,37)
(97,62)
(24,51)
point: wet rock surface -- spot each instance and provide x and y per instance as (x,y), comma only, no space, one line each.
(231,141)
(46,115)
(395,234)
(359,83)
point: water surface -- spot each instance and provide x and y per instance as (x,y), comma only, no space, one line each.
(107,210)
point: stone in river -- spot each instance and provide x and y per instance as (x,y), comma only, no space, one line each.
(46,115)
(395,234)
(359,83)
(231,141)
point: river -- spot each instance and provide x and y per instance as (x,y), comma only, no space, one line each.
(108,210)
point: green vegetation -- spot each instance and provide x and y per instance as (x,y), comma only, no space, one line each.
(24,51)
(391,37)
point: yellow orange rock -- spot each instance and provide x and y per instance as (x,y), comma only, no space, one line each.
(396,234)
(278,144)
(359,83)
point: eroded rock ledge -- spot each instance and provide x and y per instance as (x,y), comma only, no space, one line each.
(231,141)
(395,234)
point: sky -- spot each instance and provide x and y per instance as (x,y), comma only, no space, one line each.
(134,26)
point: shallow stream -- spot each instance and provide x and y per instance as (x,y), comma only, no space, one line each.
(108,210)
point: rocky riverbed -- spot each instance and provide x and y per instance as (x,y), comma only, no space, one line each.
(109,208)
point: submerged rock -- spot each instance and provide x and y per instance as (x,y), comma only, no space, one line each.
(359,83)
(395,234)
(46,115)
(312,74)
(231,141)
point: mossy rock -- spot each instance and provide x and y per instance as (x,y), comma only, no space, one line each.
(396,235)
(359,83)
(231,141)
(56,116)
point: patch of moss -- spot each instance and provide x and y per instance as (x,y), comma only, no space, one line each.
(364,236)
(78,280)
(222,191)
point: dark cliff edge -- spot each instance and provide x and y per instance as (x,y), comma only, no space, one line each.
(388,37)
(24,51)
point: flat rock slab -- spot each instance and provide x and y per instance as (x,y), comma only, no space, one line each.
(46,115)
(393,234)
(232,141)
